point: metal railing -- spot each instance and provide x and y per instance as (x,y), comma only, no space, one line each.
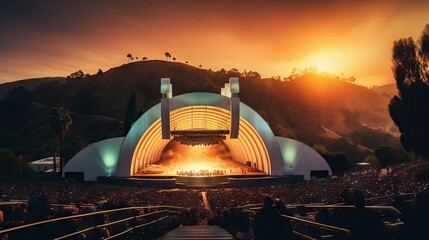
(159,213)
(390,209)
(390,197)
(13,202)
(320,227)
(325,231)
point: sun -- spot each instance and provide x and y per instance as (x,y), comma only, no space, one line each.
(324,61)
(321,67)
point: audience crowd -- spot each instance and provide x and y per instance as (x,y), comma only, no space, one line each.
(220,207)
(395,180)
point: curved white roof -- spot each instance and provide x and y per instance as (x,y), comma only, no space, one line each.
(97,159)
(149,118)
(117,156)
(299,158)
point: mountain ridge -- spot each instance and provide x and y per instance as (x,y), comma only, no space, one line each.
(303,108)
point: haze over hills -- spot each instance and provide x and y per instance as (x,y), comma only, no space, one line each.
(388,90)
(311,108)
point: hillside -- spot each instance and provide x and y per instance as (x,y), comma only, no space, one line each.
(28,84)
(341,105)
(310,108)
(388,90)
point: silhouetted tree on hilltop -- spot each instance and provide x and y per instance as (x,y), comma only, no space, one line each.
(167,55)
(76,75)
(410,108)
(130,57)
(296,72)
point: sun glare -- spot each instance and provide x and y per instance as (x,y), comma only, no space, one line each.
(325,61)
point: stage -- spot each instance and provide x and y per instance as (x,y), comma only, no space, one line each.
(231,181)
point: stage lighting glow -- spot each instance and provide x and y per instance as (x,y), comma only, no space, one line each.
(290,154)
(182,160)
(109,155)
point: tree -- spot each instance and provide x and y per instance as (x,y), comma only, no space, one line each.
(174,58)
(144,58)
(251,74)
(130,57)
(373,160)
(99,72)
(76,75)
(233,72)
(130,114)
(338,162)
(8,163)
(140,113)
(410,108)
(387,155)
(167,55)
(77,143)
(18,101)
(86,101)
(51,146)
(60,121)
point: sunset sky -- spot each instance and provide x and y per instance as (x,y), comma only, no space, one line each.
(55,38)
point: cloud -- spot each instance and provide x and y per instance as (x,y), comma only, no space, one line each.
(254,35)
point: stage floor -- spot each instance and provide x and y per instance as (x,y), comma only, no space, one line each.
(172,175)
(202,161)
(170,182)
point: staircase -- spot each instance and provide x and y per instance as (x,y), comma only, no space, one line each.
(197,232)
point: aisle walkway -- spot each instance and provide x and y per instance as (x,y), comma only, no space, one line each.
(205,201)
(197,232)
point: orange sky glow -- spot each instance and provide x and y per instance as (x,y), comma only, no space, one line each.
(55,38)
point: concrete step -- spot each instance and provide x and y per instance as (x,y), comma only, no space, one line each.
(197,232)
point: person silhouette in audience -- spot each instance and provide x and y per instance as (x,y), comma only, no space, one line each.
(244,231)
(286,225)
(416,220)
(364,223)
(268,222)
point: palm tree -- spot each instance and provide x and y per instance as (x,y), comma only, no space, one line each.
(60,120)
(51,146)
(130,57)
(167,55)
